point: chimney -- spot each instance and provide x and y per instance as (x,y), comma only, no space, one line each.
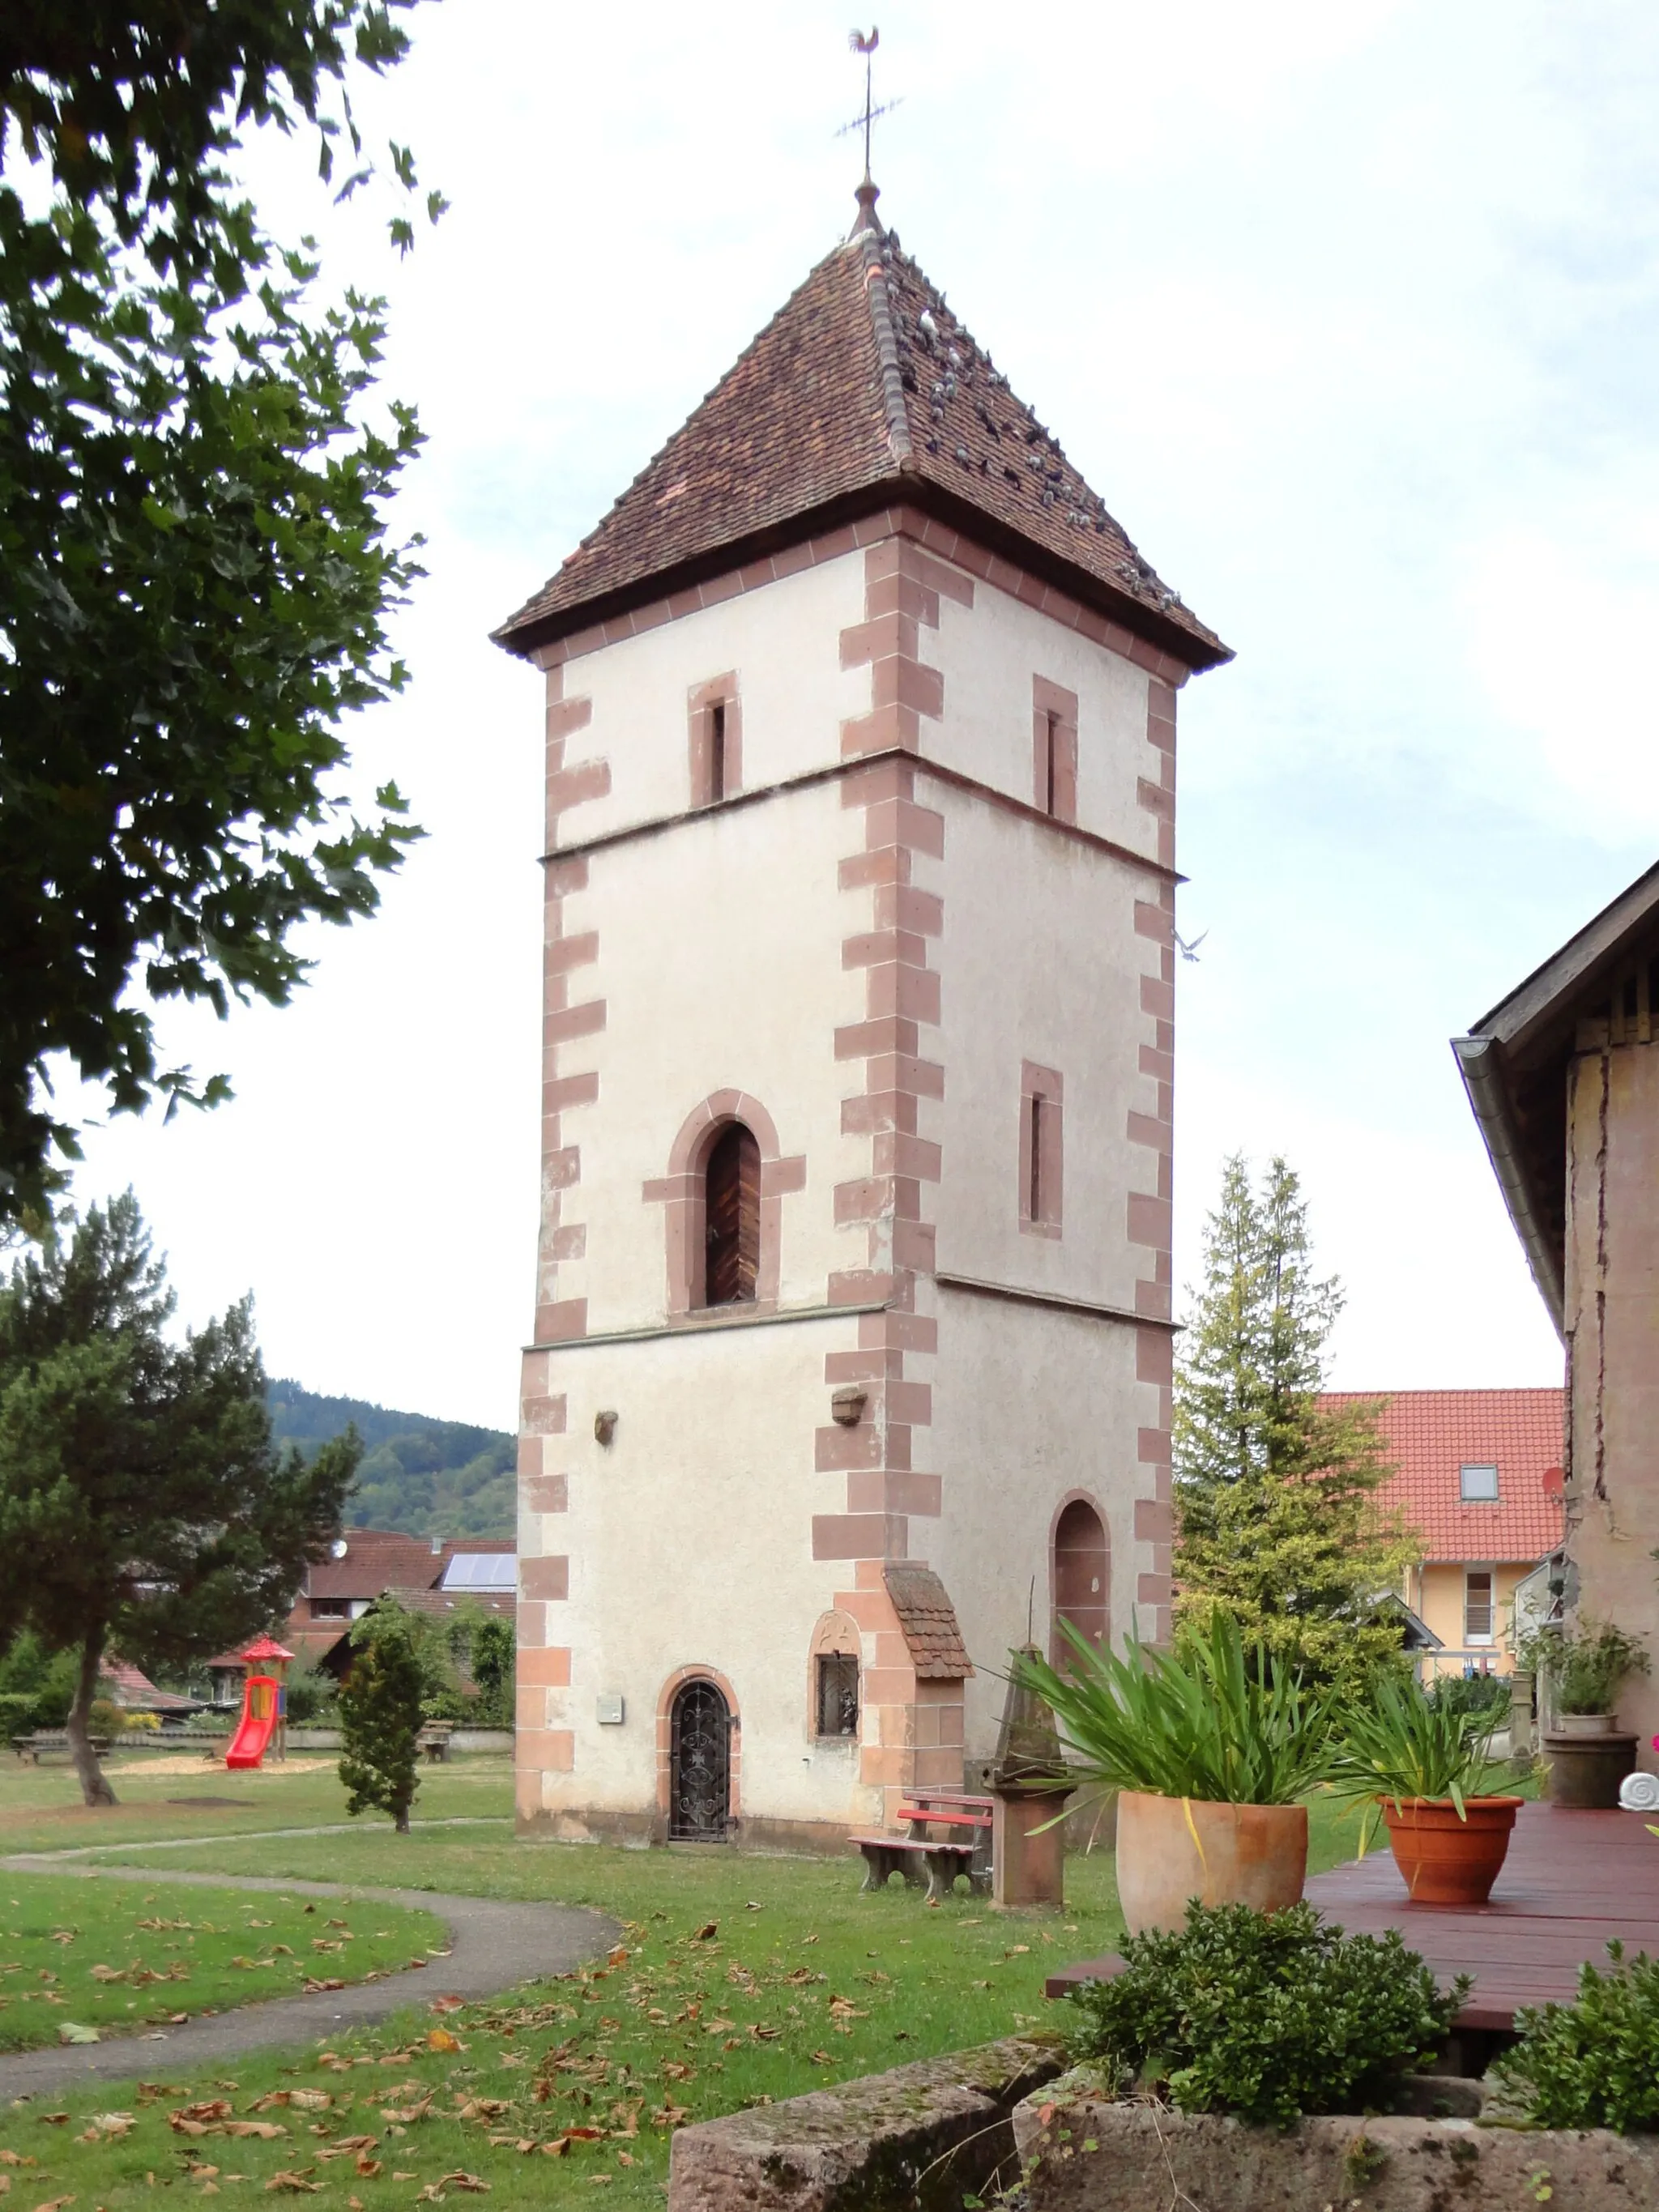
(437,1547)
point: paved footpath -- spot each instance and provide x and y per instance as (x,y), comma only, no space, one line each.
(495,1944)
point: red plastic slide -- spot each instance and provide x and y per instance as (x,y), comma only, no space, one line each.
(260,1710)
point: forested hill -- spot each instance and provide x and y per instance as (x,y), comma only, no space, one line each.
(430,1478)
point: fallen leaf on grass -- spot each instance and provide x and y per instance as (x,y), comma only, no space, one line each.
(294,2183)
(71,2031)
(405,2176)
(480,2108)
(676,2070)
(624,2158)
(314,1988)
(704,1935)
(109,1974)
(441,2040)
(405,2114)
(107,2127)
(352,2143)
(602,2178)
(304,2101)
(54,2119)
(368,2167)
(671,2116)
(448,2004)
(54,2204)
(822,2058)
(619,1956)
(254,2130)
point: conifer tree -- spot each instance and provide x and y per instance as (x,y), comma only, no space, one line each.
(143,1508)
(1278,1519)
(380,1716)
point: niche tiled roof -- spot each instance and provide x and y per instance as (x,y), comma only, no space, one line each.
(864,386)
(1433,1434)
(929,1622)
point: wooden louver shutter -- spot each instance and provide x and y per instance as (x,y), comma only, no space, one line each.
(733,1200)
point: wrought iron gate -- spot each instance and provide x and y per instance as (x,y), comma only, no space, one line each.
(700,1765)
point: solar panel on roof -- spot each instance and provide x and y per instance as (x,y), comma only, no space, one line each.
(482,1571)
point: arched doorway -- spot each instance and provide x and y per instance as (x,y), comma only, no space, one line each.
(1082,1582)
(699,1764)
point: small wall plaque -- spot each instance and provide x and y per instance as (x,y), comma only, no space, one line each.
(612,1708)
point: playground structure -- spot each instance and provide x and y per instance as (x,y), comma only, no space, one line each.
(264,1704)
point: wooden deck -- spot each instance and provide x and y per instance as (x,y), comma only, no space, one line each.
(1571,1882)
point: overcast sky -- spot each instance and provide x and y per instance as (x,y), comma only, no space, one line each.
(1350,313)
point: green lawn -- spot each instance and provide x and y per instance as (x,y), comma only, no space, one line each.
(40,1808)
(738,1979)
(120,1956)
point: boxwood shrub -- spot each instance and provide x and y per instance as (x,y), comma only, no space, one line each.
(1264,2015)
(1594,2063)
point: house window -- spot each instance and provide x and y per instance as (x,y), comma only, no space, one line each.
(331,1608)
(1477,1605)
(731,1217)
(838,1693)
(1478,1486)
(1040,1150)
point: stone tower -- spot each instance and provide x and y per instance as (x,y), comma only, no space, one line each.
(852,1339)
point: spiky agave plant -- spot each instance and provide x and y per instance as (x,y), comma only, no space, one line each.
(1208,1720)
(1393,1742)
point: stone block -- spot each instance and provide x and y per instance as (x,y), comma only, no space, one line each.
(1082,2154)
(922,2136)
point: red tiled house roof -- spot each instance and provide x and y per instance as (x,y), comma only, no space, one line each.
(374,1559)
(127,1686)
(862,388)
(1431,1434)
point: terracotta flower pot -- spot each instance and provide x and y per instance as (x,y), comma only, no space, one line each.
(1171,1849)
(1446,1860)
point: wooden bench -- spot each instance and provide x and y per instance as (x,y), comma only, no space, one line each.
(965,1848)
(31,1748)
(959,1810)
(884,1855)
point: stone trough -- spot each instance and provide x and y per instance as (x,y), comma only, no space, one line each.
(926,2138)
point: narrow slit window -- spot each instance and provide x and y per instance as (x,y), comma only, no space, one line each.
(1041,1163)
(1035,1139)
(731,1206)
(1050,745)
(838,1693)
(1477,1605)
(717,752)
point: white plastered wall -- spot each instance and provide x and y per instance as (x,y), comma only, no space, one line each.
(720,965)
(783,642)
(690,1541)
(1031,1407)
(1063,989)
(989,653)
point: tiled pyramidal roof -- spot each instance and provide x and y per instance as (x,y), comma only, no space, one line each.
(862,386)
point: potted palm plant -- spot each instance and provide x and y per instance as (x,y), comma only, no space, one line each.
(1424,1762)
(1210,1748)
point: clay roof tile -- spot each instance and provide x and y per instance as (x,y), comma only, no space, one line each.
(928,1620)
(865,385)
(1433,1434)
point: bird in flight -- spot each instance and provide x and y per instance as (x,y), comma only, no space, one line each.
(1189,951)
(861,44)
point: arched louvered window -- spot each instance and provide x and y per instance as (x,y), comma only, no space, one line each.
(731,1209)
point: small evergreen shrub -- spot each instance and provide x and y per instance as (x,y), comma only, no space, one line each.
(1592,2064)
(1265,2015)
(1472,1693)
(380,1716)
(105,1717)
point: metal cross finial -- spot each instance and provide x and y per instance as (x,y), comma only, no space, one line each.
(866,44)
